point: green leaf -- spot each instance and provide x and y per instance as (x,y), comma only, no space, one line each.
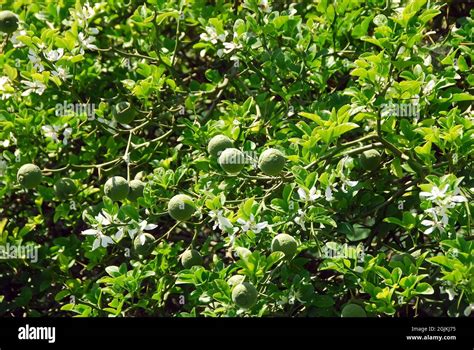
(424,288)
(323,301)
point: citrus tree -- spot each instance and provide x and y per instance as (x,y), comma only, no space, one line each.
(245,158)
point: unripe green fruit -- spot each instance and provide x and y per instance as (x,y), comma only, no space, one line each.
(370,159)
(218,144)
(271,162)
(136,190)
(147,247)
(353,310)
(235,280)
(190,258)
(64,188)
(116,188)
(284,243)
(244,295)
(181,207)
(124,112)
(8,22)
(29,175)
(232,161)
(380,20)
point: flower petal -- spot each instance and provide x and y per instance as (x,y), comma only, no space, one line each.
(90,232)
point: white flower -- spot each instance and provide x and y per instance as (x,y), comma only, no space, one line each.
(51,132)
(264,6)
(101,240)
(450,291)
(309,197)
(5,86)
(300,220)
(54,55)
(120,233)
(251,225)
(456,198)
(3,82)
(17,154)
(468,310)
(212,36)
(86,42)
(347,182)
(35,60)
(14,38)
(328,194)
(142,226)
(6,142)
(36,87)
(61,73)
(93,31)
(86,13)
(104,218)
(435,223)
(435,193)
(66,134)
(83,14)
(292,10)
(228,48)
(220,220)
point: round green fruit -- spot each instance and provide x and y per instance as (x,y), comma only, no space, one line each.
(124,112)
(29,175)
(235,280)
(64,188)
(271,162)
(190,258)
(136,190)
(144,244)
(353,310)
(116,188)
(370,159)
(244,295)
(218,144)
(232,161)
(8,22)
(380,20)
(284,243)
(181,207)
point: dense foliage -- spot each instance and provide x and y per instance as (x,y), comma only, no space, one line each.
(338,181)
